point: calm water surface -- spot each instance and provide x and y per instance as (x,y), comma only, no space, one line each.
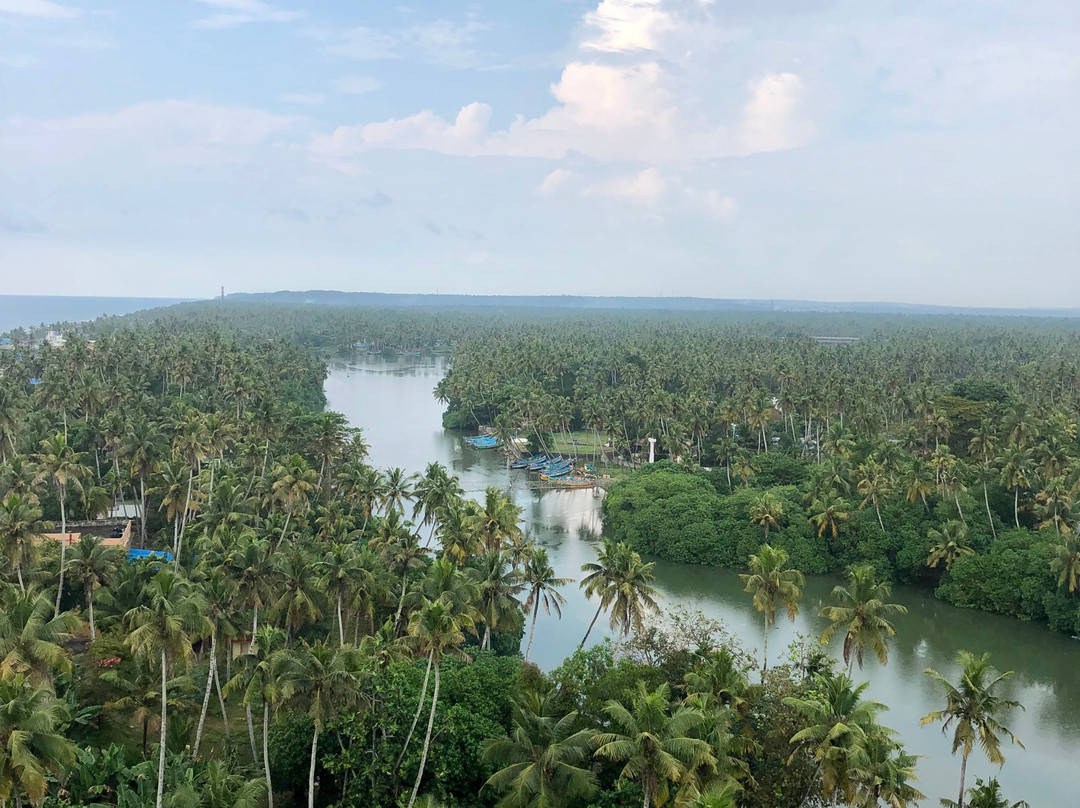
(392,401)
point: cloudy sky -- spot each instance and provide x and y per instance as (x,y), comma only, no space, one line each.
(904,150)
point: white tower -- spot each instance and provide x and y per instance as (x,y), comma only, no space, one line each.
(652,450)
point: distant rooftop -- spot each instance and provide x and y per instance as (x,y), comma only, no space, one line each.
(835,340)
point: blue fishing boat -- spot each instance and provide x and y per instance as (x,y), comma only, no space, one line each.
(482,442)
(524,462)
(539,464)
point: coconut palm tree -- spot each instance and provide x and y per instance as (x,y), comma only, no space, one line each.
(987,795)
(32,641)
(766,511)
(398,487)
(657,745)
(873,485)
(950,543)
(143,448)
(496,521)
(217,596)
(773,583)
(543,762)
(59,463)
(542,585)
(164,628)
(621,581)
(828,515)
(438,631)
(499,584)
(323,680)
(838,721)
(971,711)
(862,613)
(92,565)
(260,678)
(1066,561)
(1016,469)
(294,481)
(300,600)
(884,773)
(21,529)
(31,720)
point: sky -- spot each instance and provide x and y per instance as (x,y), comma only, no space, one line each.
(899,150)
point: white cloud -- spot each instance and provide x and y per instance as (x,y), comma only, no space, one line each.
(37,8)
(555,180)
(656,105)
(307,99)
(770,118)
(356,85)
(713,203)
(165,131)
(240,12)
(446,43)
(647,187)
(627,25)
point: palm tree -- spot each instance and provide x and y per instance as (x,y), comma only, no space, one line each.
(398,488)
(884,772)
(94,564)
(1016,467)
(987,795)
(838,723)
(32,641)
(862,613)
(773,583)
(543,587)
(971,710)
(543,763)
(1066,561)
(918,482)
(33,745)
(496,521)
(325,680)
(20,530)
(300,600)
(657,745)
(499,585)
(873,484)
(950,544)
(143,446)
(828,516)
(293,483)
(261,677)
(437,630)
(60,463)
(164,628)
(340,573)
(766,511)
(217,597)
(622,582)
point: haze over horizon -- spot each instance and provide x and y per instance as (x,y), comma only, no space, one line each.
(818,150)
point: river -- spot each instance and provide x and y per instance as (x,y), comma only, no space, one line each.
(391,399)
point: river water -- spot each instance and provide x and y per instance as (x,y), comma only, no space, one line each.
(391,399)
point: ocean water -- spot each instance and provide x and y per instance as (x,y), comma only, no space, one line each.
(23,311)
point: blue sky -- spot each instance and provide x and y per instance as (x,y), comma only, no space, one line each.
(911,151)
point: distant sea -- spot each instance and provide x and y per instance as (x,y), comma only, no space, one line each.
(23,311)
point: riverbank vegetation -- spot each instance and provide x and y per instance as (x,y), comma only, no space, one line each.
(313,630)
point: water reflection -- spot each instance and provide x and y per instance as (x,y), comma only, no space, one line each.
(392,400)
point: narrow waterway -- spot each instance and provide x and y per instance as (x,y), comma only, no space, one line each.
(392,401)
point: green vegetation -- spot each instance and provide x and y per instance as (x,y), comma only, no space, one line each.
(295,641)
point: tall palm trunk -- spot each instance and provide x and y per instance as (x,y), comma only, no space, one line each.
(877,508)
(206,695)
(416,717)
(311,770)
(89,605)
(963,775)
(266,752)
(340,622)
(532,628)
(142,510)
(765,650)
(588,631)
(427,738)
(161,747)
(401,599)
(62,490)
(251,734)
(221,699)
(1016,504)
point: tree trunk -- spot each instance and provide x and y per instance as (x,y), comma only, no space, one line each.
(416,717)
(765,650)
(1016,507)
(589,629)
(63,549)
(206,695)
(401,600)
(427,739)
(221,699)
(251,734)
(184,512)
(161,748)
(311,770)
(340,624)
(486,642)
(963,774)
(989,515)
(142,510)
(266,753)
(89,606)
(647,801)
(532,628)
(956,497)
(288,516)
(18,572)
(254,627)
(878,510)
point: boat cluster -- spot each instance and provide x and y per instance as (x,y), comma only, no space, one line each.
(558,472)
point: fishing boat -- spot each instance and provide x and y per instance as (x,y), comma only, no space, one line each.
(482,442)
(537,465)
(557,467)
(573,482)
(525,462)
